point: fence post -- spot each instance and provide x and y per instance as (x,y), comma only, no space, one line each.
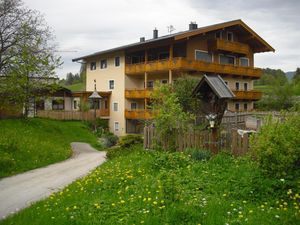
(234,141)
(245,143)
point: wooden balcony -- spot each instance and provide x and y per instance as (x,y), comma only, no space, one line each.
(137,94)
(138,114)
(229,46)
(248,95)
(182,64)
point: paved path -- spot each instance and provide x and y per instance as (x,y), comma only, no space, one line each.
(19,191)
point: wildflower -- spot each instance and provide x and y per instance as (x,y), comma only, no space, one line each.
(113,204)
(224,195)
(241,216)
(122,201)
(276,216)
(282,180)
(250,211)
(155,202)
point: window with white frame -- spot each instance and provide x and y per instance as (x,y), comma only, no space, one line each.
(245,106)
(245,86)
(219,35)
(203,56)
(93,66)
(117,126)
(237,86)
(227,59)
(164,81)
(244,61)
(229,36)
(111,84)
(150,84)
(103,64)
(115,107)
(75,104)
(117,61)
(237,106)
(133,105)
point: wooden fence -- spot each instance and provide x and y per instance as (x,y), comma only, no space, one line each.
(228,140)
(71,115)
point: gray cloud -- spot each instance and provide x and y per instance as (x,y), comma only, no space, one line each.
(93,25)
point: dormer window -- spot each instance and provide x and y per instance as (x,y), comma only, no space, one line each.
(229,36)
(219,35)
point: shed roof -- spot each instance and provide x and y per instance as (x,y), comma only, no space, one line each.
(217,84)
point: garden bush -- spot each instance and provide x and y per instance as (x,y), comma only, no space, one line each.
(198,154)
(130,139)
(108,140)
(277,147)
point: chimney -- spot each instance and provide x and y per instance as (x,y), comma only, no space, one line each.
(142,39)
(155,33)
(193,26)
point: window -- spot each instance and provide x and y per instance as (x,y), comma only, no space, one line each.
(111,84)
(203,56)
(164,81)
(93,66)
(133,105)
(115,107)
(75,104)
(237,106)
(117,61)
(103,64)
(244,61)
(227,59)
(58,104)
(219,35)
(245,86)
(116,126)
(245,106)
(237,86)
(229,36)
(150,84)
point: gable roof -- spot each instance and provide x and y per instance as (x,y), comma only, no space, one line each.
(187,34)
(217,84)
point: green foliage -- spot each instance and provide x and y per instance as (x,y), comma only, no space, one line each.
(108,139)
(296,77)
(26,144)
(183,89)
(271,76)
(117,151)
(169,115)
(130,139)
(198,154)
(277,147)
(145,187)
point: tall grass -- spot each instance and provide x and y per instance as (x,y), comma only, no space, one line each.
(32,143)
(142,187)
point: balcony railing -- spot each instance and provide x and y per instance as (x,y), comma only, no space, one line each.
(230,46)
(138,114)
(137,94)
(248,95)
(187,65)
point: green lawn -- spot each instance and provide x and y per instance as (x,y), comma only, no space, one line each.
(143,187)
(32,143)
(76,87)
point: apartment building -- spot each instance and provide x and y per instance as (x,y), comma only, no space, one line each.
(130,72)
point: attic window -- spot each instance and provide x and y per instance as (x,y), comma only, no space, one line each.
(229,36)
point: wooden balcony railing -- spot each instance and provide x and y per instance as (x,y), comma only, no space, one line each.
(230,46)
(137,93)
(183,64)
(138,114)
(248,95)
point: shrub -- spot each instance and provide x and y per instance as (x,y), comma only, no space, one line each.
(170,161)
(118,151)
(7,163)
(108,140)
(277,147)
(198,154)
(130,139)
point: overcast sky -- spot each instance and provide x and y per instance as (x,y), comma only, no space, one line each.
(87,26)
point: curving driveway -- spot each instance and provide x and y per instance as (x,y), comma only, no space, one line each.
(21,190)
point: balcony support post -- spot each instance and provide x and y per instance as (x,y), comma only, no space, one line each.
(171,52)
(170,76)
(146,81)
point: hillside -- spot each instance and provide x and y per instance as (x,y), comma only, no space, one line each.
(290,74)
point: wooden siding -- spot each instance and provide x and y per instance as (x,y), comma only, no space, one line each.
(229,46)
(137,94)
(183,64)
(72,115)
(138,114)
(248,95)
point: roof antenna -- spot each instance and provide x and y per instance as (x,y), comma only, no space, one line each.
(171,28)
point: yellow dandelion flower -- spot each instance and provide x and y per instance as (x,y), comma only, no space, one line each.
(155,202)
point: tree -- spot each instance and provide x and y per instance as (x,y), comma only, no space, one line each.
(296,77)
(27,59)
(170,117)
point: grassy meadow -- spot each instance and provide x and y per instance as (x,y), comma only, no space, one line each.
(32,143)
(147,187)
